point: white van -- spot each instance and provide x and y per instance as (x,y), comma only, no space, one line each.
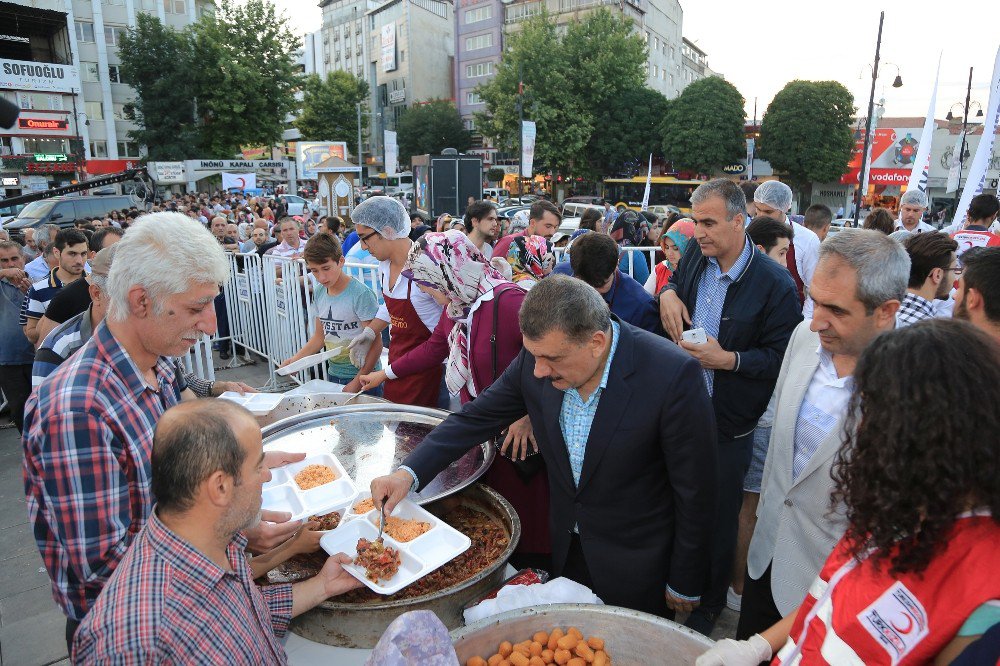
(573,209)
(496,193)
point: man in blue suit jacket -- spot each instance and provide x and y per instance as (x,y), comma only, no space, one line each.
(623,421)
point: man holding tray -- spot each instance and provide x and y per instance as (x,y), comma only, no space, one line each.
(628,441)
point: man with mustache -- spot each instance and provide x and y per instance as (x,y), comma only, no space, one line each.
(88,427)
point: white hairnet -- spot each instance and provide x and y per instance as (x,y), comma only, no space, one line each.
(384,215)
(913,197)
(775,194)
(900,236)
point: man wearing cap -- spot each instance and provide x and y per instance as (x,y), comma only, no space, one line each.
(383,229)
(774,199)
(912,205)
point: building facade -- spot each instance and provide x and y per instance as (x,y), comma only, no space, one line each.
(59,63)
(693,63)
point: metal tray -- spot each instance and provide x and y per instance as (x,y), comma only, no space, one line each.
(372,440)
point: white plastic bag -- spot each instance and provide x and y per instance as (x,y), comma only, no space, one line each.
(511,597)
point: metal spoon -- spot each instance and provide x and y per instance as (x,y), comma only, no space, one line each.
(381,524)
(353,396)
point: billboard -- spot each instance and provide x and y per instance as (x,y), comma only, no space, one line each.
(389,47)
(309,154)
(38,76)
(894,150)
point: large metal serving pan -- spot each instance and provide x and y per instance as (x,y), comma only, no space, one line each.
(295,404)
(372,440)
(630,637)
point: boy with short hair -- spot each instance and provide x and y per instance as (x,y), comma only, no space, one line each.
(342,307)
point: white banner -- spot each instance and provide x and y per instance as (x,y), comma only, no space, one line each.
(241,181)
(527,148)
(388,36)
(956,164)
(977,172)
(750,146)
(649,180)
(40,76)
(391,153)
(922,162)
(165,173)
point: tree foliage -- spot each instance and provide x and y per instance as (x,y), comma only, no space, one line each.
(567,81)
(156,62)
(495,174)
(225,81)
(806,132)
(629,132)
(431,127)
(703,129)
(245,71)
(329,108)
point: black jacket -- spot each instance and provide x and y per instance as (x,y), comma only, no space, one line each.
(760,312)
(646,499)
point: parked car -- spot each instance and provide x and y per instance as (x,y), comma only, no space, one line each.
(64,212)
(295,205)
(510,211)
(573,209)
(498,193)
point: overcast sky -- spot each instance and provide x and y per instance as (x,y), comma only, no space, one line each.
(759,46)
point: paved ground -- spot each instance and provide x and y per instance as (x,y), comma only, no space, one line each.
(31,625)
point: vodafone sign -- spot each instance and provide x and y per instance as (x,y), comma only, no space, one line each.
(893,151)
(40,124)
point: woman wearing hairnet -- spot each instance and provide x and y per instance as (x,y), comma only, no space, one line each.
(383,228)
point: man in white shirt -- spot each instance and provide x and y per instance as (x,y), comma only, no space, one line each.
(774,199)
(482,226)
(932,273)
(912,205)
(859,282)
(291,246)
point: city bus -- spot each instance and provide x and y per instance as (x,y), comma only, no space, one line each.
(663,191)
(401,182)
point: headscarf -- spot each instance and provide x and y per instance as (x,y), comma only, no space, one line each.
(519,222)
(625,228)
(449,262)
(529,259)
(681,233)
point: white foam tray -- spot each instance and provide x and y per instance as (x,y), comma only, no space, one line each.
(258,404)
(419,557)
(281,493)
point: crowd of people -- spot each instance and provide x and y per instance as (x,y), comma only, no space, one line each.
(795,421)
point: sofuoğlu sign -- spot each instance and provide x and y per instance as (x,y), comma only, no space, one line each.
(42,76)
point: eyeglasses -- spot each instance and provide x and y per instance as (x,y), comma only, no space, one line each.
(957,270)
(364,239)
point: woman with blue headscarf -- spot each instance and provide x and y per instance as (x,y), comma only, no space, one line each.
(673,243)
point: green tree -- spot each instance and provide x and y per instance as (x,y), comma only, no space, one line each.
(329,108)
(570,83)
(156,61)
(495,174)
(429,128)
(806,132)
(703,128)
(630,131)
(244,69)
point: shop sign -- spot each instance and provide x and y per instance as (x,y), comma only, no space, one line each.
(42,157)
(40,124)
(38,76)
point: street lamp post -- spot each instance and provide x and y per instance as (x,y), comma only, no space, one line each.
(868,125)
(965,123)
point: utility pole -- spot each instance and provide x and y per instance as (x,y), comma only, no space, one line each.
(862,182)
(360,155)
(961,152)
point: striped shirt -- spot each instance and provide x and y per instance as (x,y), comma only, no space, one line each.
(577,416)
(822,408)
(39,295)
(88,437)
(168,603)
(712,289)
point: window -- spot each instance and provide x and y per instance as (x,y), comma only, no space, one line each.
(113,2)
(94,110)
(568,5)
(479,42)
(478,14)
(128,149)
(402,56)
(479,69)
(98,149)
(113,34)
(515,13)
(84,31)
(470,124)
(656,71)
(115,74)
(148,5)
(473,98)
(89,73)
(656,43)
(46,146)
(175,6)
(26,100)
(118,110)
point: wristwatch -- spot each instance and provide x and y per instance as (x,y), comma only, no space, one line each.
(211,387)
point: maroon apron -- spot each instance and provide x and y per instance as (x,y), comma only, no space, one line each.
(406,332)
(800,286)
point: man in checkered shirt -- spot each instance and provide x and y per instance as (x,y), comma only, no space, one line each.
(933,271)
(184,593)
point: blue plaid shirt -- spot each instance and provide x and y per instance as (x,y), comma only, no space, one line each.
(712,290)
(576,416)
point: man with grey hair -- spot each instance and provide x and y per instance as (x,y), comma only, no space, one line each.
(89,425)
(631,471)
(383,228)
(745,303)
(859,283)
(912,205)
(774,199)
(39,267)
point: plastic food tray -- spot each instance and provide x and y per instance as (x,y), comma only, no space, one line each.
(281,493)
(258,404)
(419,557)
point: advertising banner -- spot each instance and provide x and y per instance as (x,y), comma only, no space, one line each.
(168,173)
(893,153)
(389,47)
(922,162)
(980,163)
(527,148)
(310,154)
(38,76)
(391,153)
